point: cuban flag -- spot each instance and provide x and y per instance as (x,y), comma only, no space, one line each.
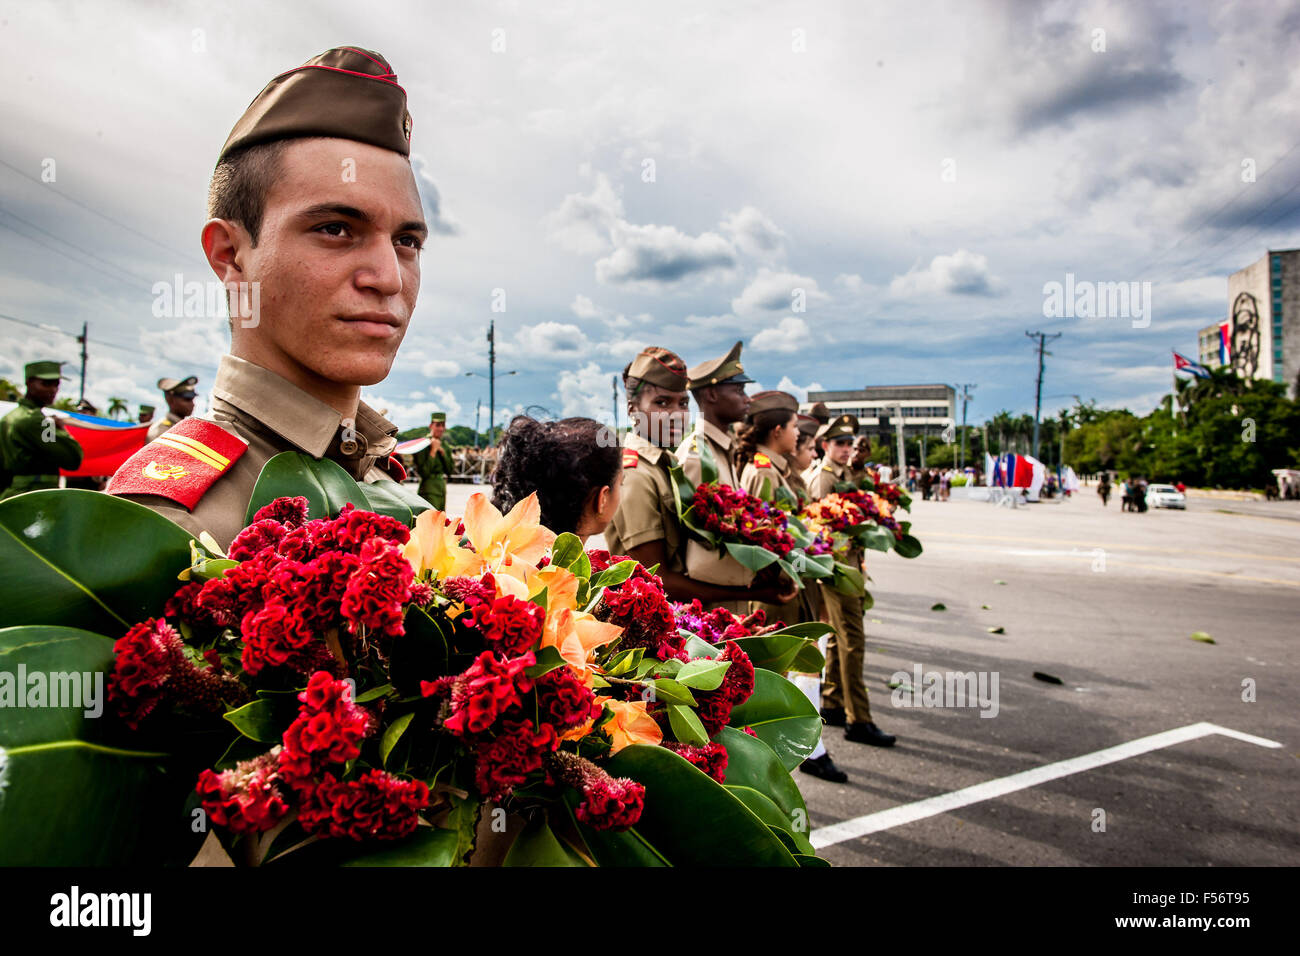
(1225,344)
(412,446)
(1184,364)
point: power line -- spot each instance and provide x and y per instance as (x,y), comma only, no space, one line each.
(91,209)
(71,245)
(65,255)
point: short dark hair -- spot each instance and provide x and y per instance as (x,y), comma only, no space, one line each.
(241,182)
(564,462)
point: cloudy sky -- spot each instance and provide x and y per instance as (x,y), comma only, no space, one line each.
(864,193)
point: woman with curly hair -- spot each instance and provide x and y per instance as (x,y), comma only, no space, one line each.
(765,441)
(574,465)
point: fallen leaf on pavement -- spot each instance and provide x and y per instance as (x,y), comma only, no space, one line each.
(997,630)
(1048,678)
(938,607)
(1203,638)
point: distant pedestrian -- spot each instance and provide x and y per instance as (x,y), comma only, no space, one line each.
(1103,490)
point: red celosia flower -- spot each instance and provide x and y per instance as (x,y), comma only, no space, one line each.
(714,706)
(376,806)
(150,667)
(711,758)
(505,761)
(485,691)
(509,625)
(378,590)
(248,799)
(353,528)
(469,591)
(258,536)
(329,728)
(608,803)
(564,701)
(291,512)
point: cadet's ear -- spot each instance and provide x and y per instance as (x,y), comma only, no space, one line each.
(223,245)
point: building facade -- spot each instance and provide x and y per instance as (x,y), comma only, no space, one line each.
(1263,324)
(926,409)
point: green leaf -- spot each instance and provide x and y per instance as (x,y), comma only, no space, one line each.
(907,546)
(938,606)
(395,500)
(72,792)
(686,725)
(265,719)
(325,485)
(696,646)
(614,847)
(428,846)
(623,661)
(538,846)
(566,550)
(847,580)
(771,651)
(708,464)
(771,814)
(392,735)
(750,555)
(1203,637)
(752,763)
(810,660)
(374,693)
(671,692)
(582,568)
(88,560)
(689,818)
(614,575)
(997,630)
(548,659)
(804,859)
(669,668)
(703,675)
(782,716)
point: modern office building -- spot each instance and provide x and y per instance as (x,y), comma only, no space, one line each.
(926,409)
(1260,338)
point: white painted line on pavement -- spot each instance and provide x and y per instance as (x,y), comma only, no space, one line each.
(992,789)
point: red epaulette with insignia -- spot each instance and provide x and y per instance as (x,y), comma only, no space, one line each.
(630,457)
(396,470)
(181,464)
(761,460)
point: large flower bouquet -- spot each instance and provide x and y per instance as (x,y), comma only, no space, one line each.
(862,515)
(353,683)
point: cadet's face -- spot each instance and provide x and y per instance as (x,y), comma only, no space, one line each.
(803,453)
(338,261)
(42,391)
(731,401)
(436,429)
(840,450)
(665,415)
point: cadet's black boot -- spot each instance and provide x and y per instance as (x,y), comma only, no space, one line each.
(834,716)
(824,768)
(865,732)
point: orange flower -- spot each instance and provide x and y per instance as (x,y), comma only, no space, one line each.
(630,724)
(573,632)
(435,547)
(511,543)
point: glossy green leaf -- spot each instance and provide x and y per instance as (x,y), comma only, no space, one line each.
(767,811)
(696,646)
(810,660)
(87,560)
(672,692)
(847,580)
(383,690)
(703,675)
(265,719)
(566,550)
(782,716)
(686,726)
(548,659)
(325,485)
(750,555)
(691,819)
(428,846)
(804,859)
(708,464)
(752,763)
(537,845)
(908,546)
(77,790)
(615,847)
(614,575)
(392,735)
(772,652)
(396,500)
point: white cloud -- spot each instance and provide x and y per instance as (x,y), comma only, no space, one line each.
(754,234)
(962,273)
(440,368)
(586,392)
(583,223)
(790,335)
(798,391)
(651,256)
(546,341)
(416,410)
(775,291)
(584,308)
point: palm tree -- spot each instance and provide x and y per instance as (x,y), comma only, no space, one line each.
(1219,383)
(1002,423)
(117,408)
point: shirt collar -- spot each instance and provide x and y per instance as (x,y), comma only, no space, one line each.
(716,434)
(297,417)
(777,458)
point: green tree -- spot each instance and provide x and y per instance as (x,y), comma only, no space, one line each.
(117,408)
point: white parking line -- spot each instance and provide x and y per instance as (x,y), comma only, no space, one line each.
(991,789)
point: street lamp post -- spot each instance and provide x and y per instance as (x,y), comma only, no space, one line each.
(492,377)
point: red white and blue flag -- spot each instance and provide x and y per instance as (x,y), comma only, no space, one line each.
(105,443)
(1184,364)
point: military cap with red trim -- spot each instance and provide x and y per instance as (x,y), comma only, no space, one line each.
(659,366)
(346,92)
(726,370)
(181,464)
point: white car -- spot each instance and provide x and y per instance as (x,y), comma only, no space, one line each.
(1165,496)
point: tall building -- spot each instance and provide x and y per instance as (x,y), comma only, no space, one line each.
(925,408)
(1263,323)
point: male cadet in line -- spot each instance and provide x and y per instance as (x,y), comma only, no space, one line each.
(179,396)
(313,198)
(435,464)
(844,690)
(718,387)
(146,414)
(33,447)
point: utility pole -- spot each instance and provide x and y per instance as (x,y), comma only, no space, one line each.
(478,409)
(902,455)
(82,339)
(1038,400)
(614,385)
(492,380)
(965,400)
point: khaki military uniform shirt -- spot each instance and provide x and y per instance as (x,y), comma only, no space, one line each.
(777,475)
(720,443)
(160,425)
(647,510)
(274,416)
